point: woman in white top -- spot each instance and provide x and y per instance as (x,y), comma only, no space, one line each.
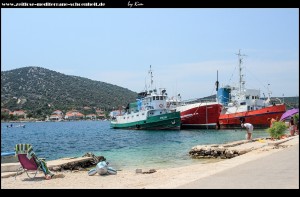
(249,129)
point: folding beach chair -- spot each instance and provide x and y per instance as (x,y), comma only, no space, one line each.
(29,161)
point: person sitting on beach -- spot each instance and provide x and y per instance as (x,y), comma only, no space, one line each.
(249,129)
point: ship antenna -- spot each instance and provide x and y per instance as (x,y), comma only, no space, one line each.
(240,70)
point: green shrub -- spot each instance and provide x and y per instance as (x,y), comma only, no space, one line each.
(277,130)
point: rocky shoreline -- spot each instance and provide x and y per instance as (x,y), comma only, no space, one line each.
(233,149)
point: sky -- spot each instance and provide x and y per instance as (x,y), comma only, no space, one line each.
(185,47)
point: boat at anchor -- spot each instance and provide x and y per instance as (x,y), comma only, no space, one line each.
(148,112)
(242,103)
(196,114)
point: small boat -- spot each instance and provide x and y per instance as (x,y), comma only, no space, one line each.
(149,112)
(241,103)
(15,126)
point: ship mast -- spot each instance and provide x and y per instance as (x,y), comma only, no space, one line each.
(241,82)
(151,78)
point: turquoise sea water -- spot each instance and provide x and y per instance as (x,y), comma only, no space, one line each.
(124,149)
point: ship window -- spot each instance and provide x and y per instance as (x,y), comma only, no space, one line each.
(251,108)
(247,97)
(243,103)
(161,98)
(157,97)
(154,98)
(248,108)
(252,97)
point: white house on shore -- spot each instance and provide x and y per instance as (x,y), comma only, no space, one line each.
(91,116)
(57,115)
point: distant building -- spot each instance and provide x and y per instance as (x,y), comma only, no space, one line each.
(57,115)
(99,111)
(58,112)
(100,114)
(91,116)
(73,115)
(18,113)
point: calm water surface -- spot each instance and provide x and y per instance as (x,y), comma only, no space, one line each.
(124,149)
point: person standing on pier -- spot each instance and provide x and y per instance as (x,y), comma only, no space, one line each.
(249,129)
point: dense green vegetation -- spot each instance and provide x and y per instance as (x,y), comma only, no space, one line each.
(40,91)
(277,130)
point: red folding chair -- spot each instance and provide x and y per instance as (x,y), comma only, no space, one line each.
(27,165)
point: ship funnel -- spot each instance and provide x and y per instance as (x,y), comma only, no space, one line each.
(223,95)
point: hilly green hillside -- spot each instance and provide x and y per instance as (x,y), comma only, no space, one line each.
(41,91)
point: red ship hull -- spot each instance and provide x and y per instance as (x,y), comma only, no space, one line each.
(201,115)
(258,118)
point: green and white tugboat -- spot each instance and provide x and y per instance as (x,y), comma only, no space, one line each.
(149,112)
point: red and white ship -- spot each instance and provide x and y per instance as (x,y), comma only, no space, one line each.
(198,115)
(239,102)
